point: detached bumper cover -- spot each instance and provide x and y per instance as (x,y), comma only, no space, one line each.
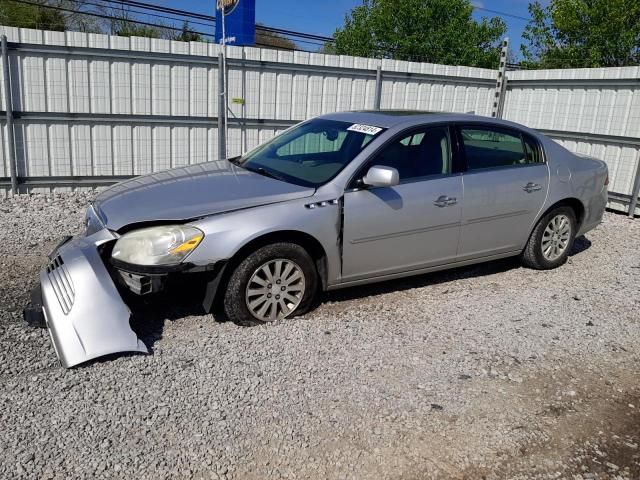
(84,312)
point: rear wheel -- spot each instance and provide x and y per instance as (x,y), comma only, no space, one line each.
(551,240)
(275,282)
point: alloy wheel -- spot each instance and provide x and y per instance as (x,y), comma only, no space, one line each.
(275,290)
(556,236)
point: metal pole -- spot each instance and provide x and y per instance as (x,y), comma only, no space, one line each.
(378,96)
(222,87)
(224,72)
(501,83)
(635,191)
(222,111)
(9,108)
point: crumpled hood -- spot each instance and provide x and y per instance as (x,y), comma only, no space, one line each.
(190,192)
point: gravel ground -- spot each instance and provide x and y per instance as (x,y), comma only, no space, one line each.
(491,371)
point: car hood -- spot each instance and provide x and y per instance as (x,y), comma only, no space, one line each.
(190,192)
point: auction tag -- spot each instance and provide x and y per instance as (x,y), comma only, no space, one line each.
(368,129)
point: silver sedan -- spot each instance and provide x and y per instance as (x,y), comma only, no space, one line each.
(339,200)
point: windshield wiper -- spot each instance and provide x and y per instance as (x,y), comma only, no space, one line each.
(266,173)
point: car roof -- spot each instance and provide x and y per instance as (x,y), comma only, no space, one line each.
(392,118)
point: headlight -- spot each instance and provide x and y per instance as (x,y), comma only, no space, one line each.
(164,245)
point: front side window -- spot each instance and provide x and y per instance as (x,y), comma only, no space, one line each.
(486,147)
(312,153)
(422,153)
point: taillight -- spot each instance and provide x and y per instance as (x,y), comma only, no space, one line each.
(606,181)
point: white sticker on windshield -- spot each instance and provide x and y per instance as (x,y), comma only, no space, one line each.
(368,129)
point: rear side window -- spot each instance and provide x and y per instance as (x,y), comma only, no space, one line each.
(485,147)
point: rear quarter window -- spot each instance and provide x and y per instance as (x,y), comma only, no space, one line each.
(532,149)
(486,147)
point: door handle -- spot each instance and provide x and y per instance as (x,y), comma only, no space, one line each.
(532,187)
(444,201)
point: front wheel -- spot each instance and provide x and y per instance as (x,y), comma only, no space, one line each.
(275,282)
(551,240)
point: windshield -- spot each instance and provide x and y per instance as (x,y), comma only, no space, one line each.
(312,153)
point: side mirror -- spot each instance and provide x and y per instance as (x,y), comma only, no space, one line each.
(379,176)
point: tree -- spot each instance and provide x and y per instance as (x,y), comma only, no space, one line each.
(126,28)
(270,39)
(29,15)
(78,20)
(583,33)
(186,35)
(124,24)
(43,14)
(438,31)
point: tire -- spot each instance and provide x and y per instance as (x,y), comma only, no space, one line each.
(252,269)
(535,255)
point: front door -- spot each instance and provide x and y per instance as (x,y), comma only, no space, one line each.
(412,225)
(505,187)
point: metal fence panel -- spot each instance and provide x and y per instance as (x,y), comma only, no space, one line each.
(90,105)
(94,75)
(595,112)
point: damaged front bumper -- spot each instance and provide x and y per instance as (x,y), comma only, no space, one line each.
(83,310)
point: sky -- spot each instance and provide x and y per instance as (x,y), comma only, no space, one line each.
(323,17)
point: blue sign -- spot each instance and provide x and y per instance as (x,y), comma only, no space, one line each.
(239,22)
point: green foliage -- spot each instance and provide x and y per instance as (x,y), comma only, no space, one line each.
(186,35)
(438,31)
(124,25)
(583,33)
(125,28)
(24,15)
(270,39)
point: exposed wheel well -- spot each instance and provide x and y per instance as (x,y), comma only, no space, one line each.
(575,204)
(306,241)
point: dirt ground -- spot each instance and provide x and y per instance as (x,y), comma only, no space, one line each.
(486,372)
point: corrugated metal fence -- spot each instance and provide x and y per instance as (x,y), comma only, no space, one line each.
(89,107)
(592,111)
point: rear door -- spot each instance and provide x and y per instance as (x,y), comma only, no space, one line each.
(505,186)
(409,226)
